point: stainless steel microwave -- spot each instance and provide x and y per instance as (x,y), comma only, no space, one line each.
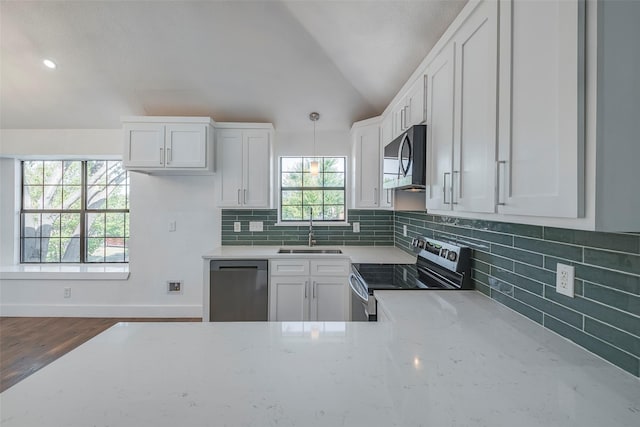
(404,165)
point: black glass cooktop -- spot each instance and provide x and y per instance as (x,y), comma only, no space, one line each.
(389,276)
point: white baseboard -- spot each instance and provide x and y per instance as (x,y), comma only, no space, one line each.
(67,310)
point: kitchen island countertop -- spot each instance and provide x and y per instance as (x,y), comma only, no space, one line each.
(447,359)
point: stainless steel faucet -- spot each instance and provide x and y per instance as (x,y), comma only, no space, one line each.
(312,241)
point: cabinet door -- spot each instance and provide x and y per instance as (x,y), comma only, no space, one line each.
(367,170)
(386,129)
(186,145)
(476,73)
(440,130)
(415,103)
(257,179)
(144,145)
(541,144)
(386,135)
(289,298)
(329,299)
(229,158)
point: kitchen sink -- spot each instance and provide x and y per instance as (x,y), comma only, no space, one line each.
(309,251)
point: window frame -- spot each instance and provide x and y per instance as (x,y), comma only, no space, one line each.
(325,222)
(83,212)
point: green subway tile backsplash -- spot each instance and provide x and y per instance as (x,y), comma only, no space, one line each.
(376,229)
(515,265)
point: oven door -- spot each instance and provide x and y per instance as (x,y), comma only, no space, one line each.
(359,299)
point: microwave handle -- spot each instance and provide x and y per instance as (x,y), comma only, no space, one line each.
(402,170)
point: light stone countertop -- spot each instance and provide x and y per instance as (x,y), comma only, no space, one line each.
(449,359)
(357,254)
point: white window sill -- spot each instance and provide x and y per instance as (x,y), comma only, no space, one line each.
(65,272)
(315,224)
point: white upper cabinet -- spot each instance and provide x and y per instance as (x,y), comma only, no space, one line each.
(540,170)
(168,145)
(367,167)
(244,166)
(415,102)
(411,109)
(440,129)
(475,109)
(461,121)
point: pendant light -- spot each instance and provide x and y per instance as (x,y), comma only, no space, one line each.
(314,166)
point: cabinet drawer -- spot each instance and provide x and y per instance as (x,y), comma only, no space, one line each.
(330,267)
(289,267)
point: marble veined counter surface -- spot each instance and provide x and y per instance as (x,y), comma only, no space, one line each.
(357,254)
(447,359)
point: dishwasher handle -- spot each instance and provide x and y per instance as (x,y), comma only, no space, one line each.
(238,264)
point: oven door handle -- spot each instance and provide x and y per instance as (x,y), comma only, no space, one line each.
(356,291)
(442,281)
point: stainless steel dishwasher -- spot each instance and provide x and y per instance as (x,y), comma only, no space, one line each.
(239,290)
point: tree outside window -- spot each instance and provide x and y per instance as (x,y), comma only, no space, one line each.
(302,192)
(74,211)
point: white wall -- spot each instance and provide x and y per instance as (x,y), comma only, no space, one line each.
(156,255)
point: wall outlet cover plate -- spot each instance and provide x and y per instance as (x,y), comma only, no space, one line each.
(564,279)
(237,227)
(255,226)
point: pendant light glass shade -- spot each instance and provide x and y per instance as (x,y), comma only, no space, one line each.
(314,168)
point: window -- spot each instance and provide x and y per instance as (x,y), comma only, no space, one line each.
(74,211)
(301,192)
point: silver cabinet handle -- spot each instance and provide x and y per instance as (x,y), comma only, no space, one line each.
(306,284)
(406,118)
(239,202)
(375,196)
(244,196)
(444,188)
(498,189)
(314,290)
(169,155)
(161,155)
(453,187)
(402,119)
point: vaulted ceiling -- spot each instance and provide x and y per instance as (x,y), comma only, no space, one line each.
(272,61)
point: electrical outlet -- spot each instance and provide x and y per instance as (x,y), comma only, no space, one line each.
(356,227)
(404,230)
(172,226)
(67,292)
(174,286)
(237,227)
(564,279)
(255,226)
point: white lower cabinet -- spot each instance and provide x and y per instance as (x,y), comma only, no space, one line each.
(308,289)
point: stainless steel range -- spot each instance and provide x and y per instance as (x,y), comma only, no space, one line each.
(439,266)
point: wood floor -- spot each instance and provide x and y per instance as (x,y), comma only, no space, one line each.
(30,343)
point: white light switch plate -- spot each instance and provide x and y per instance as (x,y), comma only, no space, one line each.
(172,226)
(356,227)
(564,279)
(255,226)
(237,227)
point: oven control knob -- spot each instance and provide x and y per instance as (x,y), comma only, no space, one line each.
(443,253)
(452,256)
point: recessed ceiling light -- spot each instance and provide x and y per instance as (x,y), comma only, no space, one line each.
(49,64)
